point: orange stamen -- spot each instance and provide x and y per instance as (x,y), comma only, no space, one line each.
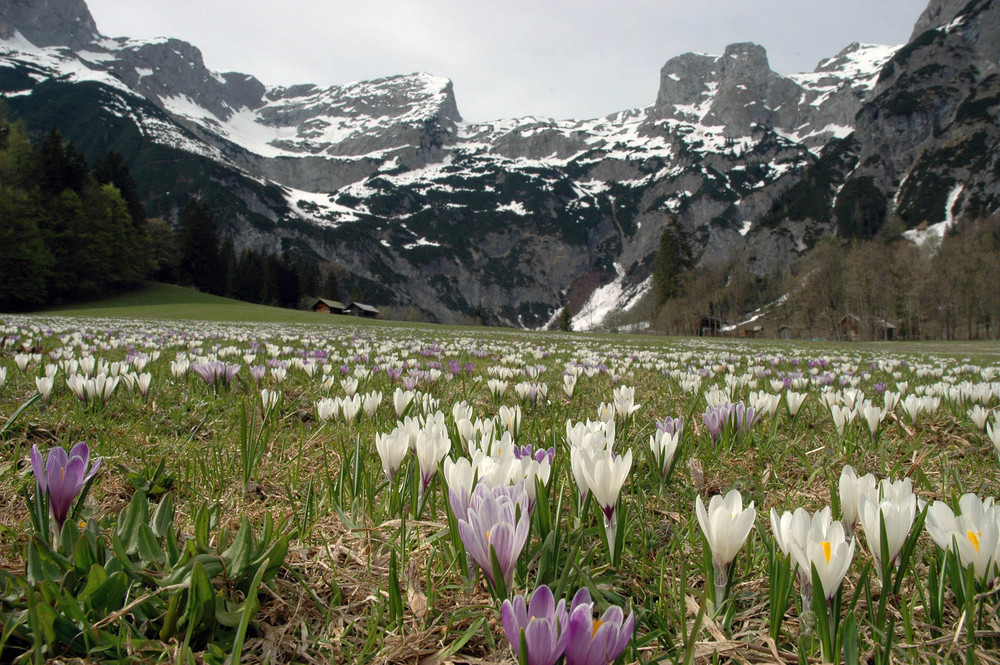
(597,624)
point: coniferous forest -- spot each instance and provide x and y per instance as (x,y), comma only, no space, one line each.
(72,231)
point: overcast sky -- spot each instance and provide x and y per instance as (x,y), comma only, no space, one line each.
(575,59)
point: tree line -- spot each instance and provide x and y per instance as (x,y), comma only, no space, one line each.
(70,231)
(67,231)
(941,289)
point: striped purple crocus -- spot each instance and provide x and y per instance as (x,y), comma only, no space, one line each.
(63,476)
(497,520)
(596,641)
(542,621)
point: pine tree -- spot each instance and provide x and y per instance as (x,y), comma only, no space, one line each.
(199,248)
(673,257)
(331,287)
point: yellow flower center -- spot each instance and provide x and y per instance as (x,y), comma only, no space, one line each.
(826,550)
(62,469)
(597,624)
(974,538)
(488,535)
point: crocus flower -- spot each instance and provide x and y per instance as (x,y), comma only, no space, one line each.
(44,385)
(793,401)
(726,525)
(498,521)
(898,514)
(62,477)
(596,641)
(851,487)
(831,554)
(624,402)
(400,400)
(975,531)
(993,432)
(544,623)
(431,447)
(663,445)
(392,449)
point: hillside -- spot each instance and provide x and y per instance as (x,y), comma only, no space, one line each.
(516,218)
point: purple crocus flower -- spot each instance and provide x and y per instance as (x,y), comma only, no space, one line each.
(257,373)
(671,425)
(715,418)
(497,518)
(63,476)
(216,372)
(540,455)
(596,641)
(544,623)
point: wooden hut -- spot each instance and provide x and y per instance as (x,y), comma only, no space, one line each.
(325,306)
(367,311)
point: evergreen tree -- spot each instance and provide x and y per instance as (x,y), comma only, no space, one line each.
(331,287)
(25,260)
(60,166)
(250,277)
(673,257)
(200,264)
(164,253)
(227,257)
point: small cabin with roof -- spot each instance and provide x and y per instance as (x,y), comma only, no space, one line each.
(367,311)
(325,306)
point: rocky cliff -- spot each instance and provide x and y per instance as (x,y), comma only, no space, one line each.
(514,219)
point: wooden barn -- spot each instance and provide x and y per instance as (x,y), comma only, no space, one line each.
(367,311)
(325,306)
(851,328)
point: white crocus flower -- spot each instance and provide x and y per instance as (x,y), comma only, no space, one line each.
(460,411)
(978,415)
(842,416)
(400,400)
(993,432)
(664,445)
(831,553)
(350,385)
(793,401)
(327,408)
(371,403)
(44,385)
(569,384)
(142,383)
(898,516)
(851,487)
(510,419)
(496,387)
(912,406)
(605,474)
(975,531)
(623,399)
(873,415)
(726,525)
(269,399)
(432,446)
(392,449)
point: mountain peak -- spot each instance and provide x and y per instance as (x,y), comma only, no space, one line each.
(49,22)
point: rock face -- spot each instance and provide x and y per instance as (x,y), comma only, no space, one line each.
(925,144)
(49,22)
(514,219)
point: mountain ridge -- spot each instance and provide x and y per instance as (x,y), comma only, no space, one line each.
(514,218)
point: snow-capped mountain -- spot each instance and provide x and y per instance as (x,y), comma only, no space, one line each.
(511,219)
